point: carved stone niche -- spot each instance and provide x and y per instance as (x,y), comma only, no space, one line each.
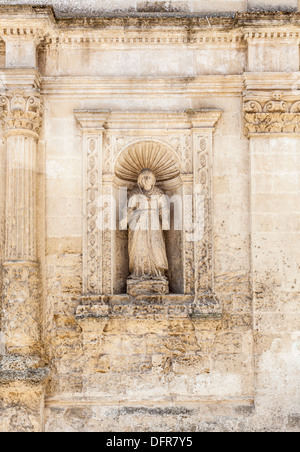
(179,147)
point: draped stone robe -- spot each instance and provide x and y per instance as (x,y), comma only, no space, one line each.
(147,211)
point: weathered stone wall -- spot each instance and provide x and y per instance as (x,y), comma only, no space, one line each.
(80,354)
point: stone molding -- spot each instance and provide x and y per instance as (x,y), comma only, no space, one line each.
(91,120)
(278,115)
(272,35)
(26,32)
(201,36)
(40,24)
(166,87)
(25,80)
(204,118)
(145,307)
(261,85)
(146,38)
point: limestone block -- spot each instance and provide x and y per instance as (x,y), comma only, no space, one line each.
(272,57)
(20,409)
(273,5)
(20,52)
(218,6)
(219,61)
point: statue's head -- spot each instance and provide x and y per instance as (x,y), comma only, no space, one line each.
(147,179)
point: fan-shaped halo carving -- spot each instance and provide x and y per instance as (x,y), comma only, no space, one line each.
(152,155)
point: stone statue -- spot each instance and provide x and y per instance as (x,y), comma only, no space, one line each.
(147,216)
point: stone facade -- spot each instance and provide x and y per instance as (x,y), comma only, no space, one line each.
(212,88)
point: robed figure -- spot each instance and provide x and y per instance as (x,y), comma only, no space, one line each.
(147,216)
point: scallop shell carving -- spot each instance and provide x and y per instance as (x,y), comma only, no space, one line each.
(153,156)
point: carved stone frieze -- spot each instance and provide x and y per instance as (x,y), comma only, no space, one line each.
(20,307)
(21,110)
(93,254)
(203,213)
(280,114)
(141,307)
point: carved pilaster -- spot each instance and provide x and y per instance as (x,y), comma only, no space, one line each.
(92,130)
(23,371)
(202,186)
(203,126)
(21,114)
(188,237)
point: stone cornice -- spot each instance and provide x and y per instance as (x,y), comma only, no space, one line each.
(204,118)
(146,37)
(271,35)
(238,19)
(146,29)
(91,119)
(16,78)
(97,119)
(25,22)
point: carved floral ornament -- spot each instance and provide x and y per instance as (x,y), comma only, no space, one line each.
(273,116)
(21,110)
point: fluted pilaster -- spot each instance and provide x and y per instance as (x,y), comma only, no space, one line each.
(21,113)
(20,234)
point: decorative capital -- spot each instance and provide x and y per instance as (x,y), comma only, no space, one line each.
(280,114)
(21,110)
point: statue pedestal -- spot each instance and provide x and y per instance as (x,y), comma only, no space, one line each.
(147,287)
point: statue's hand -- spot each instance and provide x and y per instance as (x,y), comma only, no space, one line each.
(123,224)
